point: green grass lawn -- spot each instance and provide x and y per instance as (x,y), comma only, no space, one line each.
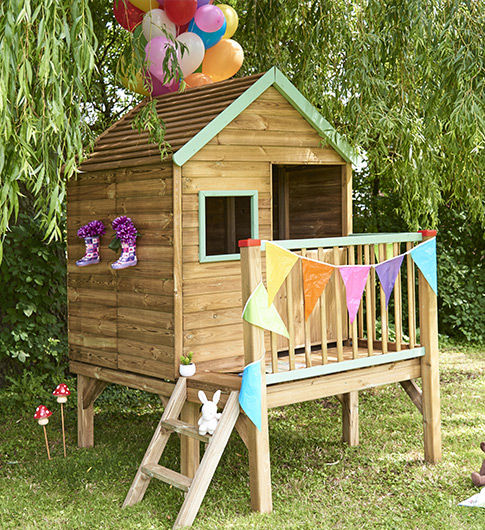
(318,482)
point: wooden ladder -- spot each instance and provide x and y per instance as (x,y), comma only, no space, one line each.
(196,487)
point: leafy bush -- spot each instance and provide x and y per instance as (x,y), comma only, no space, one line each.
(33,334)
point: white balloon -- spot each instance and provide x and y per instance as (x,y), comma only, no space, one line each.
(192,58)
(154,21)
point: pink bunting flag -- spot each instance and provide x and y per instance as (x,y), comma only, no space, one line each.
(387,272)
(354,279)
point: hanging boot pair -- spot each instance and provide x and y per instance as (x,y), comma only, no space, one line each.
(126,234)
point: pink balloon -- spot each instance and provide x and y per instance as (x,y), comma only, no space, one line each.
(158,88)
(209,18)
(155,52)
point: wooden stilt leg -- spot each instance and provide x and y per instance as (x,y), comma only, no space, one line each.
(257,440)
(428,323)
(189,447)
(350,418)
(88,389)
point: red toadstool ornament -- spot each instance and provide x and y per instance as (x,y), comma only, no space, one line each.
(62,392)
(42,414)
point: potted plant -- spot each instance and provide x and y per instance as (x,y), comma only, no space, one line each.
(187,367)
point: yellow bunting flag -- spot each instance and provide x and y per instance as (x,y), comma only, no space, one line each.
(316,275)
(279,263)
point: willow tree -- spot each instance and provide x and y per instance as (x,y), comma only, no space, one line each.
(402,80)
(47,56)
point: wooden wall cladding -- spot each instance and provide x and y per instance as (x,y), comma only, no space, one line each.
(270,131)
(123,319)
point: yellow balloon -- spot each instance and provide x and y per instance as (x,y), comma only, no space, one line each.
(232,20)
(135,85)
(223,60)
(144,5)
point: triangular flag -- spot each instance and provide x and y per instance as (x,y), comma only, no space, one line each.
(257,312)
(387,272)
(354,279)
(424,255)
(315,278)
(389,252)
(250,393)
(279,263)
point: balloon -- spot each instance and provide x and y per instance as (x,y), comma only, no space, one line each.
(201,3)
(231,18)
(209,39)
(137,86)
(127,15)
(155,52)
(182,29)
(158,88)
(192,58)
(155,21)
(180,11)
(145,5)
(194,80)
(209,18)
(223,60)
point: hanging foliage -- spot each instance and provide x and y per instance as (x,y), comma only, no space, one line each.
(47,52)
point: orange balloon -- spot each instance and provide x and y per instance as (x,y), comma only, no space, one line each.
(223,60)
(198,79)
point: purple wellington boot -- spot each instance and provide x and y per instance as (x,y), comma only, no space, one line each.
(91,257)
(127,258)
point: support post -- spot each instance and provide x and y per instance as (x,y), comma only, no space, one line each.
(257,441)
(428,324)
(350,418)
(189,447)
(88,389)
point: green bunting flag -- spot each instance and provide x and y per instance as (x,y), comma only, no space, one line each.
(257,312)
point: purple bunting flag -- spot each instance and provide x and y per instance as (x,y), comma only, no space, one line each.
(387,272)
(354,279)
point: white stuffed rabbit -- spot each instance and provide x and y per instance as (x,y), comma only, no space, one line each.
(210,416)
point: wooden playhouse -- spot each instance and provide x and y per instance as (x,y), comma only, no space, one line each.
(251,160)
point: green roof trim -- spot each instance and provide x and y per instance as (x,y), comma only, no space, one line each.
(272,77)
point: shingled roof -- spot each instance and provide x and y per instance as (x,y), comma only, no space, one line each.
(192,118)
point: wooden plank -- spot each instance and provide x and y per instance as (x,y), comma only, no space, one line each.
(411,281)
(205,286)
(91,326)
(108,359)
(290,311)
(252,182)
(308,339)
(370,324)
(189,430)
(157,444)
(338,305)
(148,384)
(323,318)
(166,475)
(353,325)
(155,351)
(92,391)
(225,170)
(353,364)
(258,440)
(360,314)
(225,333)
(341,383)
(97,342)
(203,319)
(414,393)
(346,183)
(428,325)
(384,314)
(398,302)
(214,301)
(189,450)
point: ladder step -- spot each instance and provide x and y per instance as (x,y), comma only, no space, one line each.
(186,429)
(167,475)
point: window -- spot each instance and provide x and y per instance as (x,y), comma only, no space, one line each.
(225,217)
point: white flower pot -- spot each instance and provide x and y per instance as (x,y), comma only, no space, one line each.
(187,370)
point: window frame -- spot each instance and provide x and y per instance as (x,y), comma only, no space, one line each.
(253,194)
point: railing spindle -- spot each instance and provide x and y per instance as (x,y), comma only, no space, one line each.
(323,317)
(308,339)
(291,321)
(411,297)
(398,302)
(353,326)
(373,300)
(274,352)
(338,307)
(361,307)
(368,305)
(384,315)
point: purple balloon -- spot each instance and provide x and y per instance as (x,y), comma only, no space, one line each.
(158,88)
(155,52)
(209,18)
(202,2)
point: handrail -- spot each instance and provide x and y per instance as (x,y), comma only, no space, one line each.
(353,239)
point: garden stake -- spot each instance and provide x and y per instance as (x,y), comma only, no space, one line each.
(42,414)
(61,392)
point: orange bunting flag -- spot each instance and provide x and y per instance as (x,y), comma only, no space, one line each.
(316,275)
(279,263)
